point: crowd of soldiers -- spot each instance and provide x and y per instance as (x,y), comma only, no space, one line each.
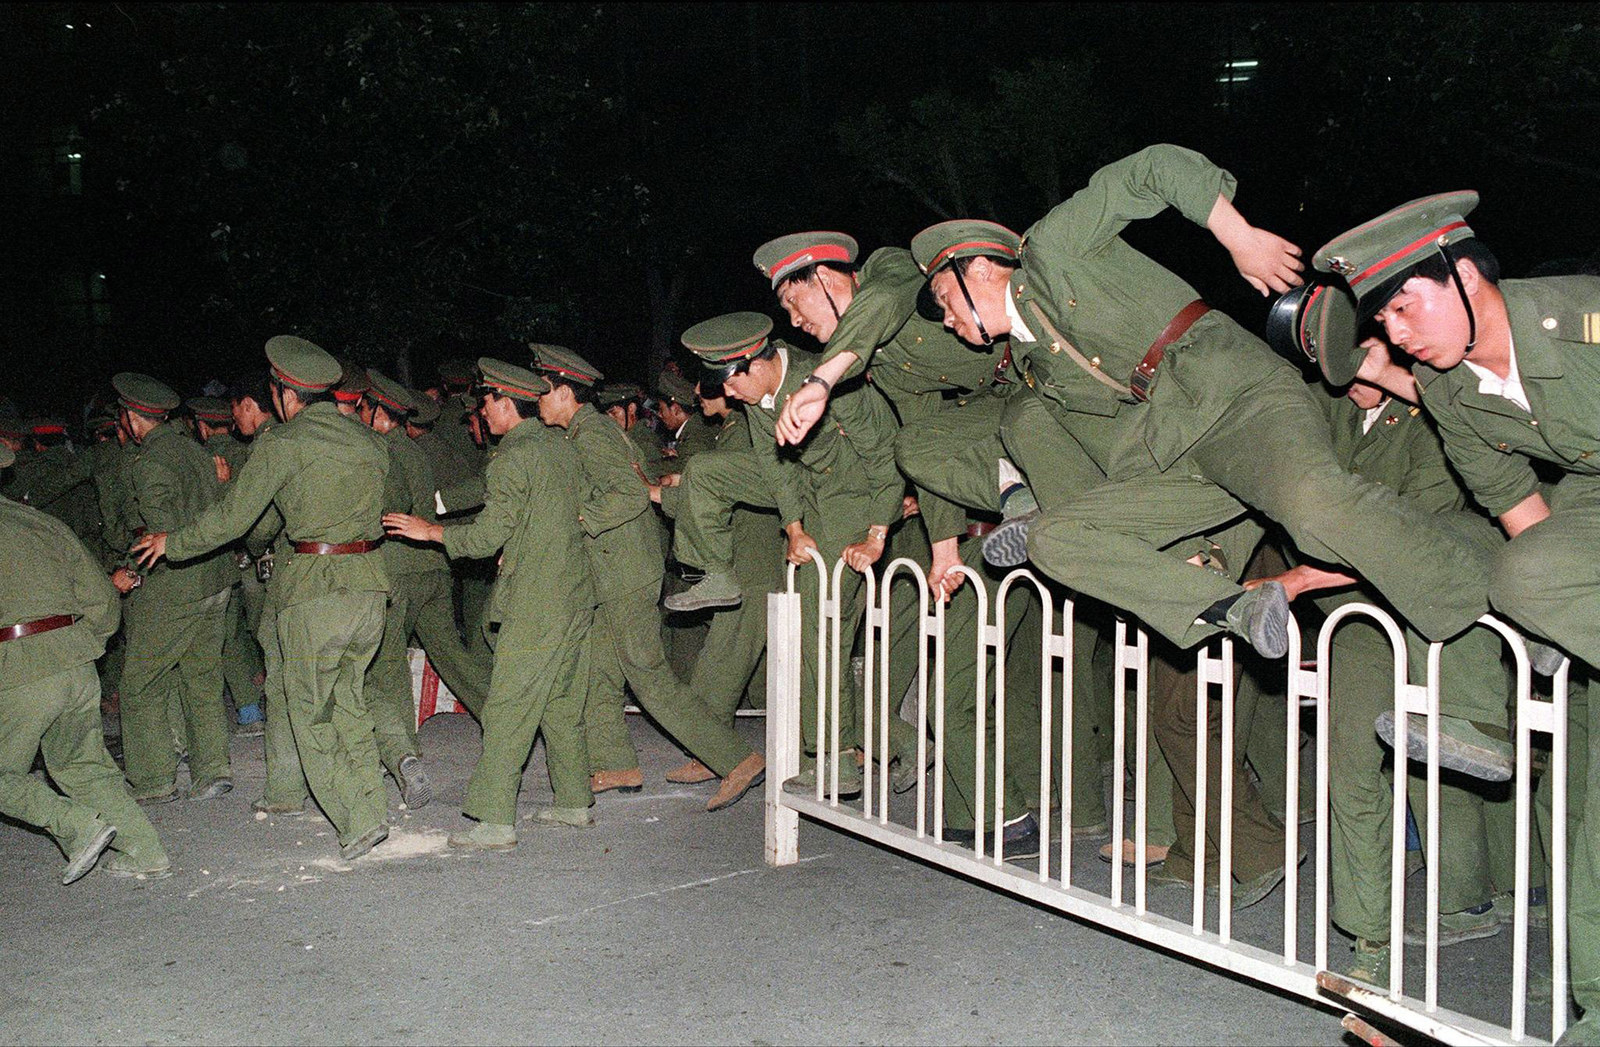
(982,401)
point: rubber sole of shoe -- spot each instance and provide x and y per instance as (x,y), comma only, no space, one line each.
(1269,621)
(85,859)
(719,803)
(250,730)
(129,873)
(212,790)
(156,801)
(287,812)
(467,843)
(415,789)
(1007,544)
(1419,936)
(544,817)
(363,843)
(1454,755)
(677,603)
(698,776)
(797,787)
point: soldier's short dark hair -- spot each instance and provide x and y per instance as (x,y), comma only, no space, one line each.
(1434,267)
(305,396)
(807,273)
(582,393)
(250,385)
(527,408)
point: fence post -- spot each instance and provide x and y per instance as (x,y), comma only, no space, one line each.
(783,724)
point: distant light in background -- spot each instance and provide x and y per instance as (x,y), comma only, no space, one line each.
(1243,63)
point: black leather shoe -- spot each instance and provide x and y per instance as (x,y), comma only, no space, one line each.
(1021,838)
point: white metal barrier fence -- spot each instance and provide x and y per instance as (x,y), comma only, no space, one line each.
(1052,883)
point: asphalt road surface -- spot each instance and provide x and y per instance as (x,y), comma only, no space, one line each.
(660,925)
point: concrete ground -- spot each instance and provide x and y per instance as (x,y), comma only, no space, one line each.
(659,925)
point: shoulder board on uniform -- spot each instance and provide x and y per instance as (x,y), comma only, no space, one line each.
(1585,327)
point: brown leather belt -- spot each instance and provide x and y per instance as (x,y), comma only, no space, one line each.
(1001,367)
(42,625)
(979,528)
(1145,374)
(324,549)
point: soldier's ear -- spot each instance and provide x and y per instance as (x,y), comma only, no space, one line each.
(1471,277)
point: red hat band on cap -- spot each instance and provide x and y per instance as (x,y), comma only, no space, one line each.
(1407,249)
(811,256)
(749,350)
(149,409)
(384,402)
(288,379)
(944,256)
(558,370)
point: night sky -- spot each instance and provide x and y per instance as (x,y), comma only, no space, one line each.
(403,183)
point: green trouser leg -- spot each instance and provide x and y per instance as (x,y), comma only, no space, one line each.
(1020,779)
(328,643)
(634,625)
(59,717)
(388,678)
(538,684)
(1060,464)
(1360,786)
(704,530)
(242,666)
(111,665)
(1272,453)
(174,654)
(1257,838)
(852,604)
(735,649)
(606,739)
(1159,785)
(285,786)
(474,579)
(464,669)
(954,452)
(1547,580)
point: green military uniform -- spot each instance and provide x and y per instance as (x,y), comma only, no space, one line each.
(841,482)
(736,643)
(1545,579)
(177,618)
(324,473)
(949,396)
(1221,425)
(108,466)
(683,635)
(540,611)
(55,480)
(419,603)
(242,662)
(49,697)
(619,524)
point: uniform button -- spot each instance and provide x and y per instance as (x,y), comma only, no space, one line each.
(943,378)
(1548,323)
(1055,347)
(1503,446)
(1072,303)
(919,339)
(1584,454)
(1534,422)
(1094,361)
(906,366)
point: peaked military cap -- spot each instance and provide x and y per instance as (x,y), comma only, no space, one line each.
(301,365)
(614,393)
(722,342)
(1374,259)
(938,245)
(389,394)
(676,388)
(210,409)
(519,383)
(99,423)
(46,427)
(456,372)
(564,363)
(144,395)
(1318,321)
(354,383)
(778,258)
(8,458)
(426,408)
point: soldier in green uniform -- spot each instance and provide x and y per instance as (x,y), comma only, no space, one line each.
(949,398)
(688,433)
(242,664)
(736,641)
(623,403)
(51,477)
(177,611)
(618,521)
(838,495)
(419,601)
(285,790)
(540,614)
(1192,419)
(108,459)
(1510,375)
(324,473)
(57,611)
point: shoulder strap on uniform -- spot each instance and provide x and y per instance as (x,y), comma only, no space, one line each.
(1059,340)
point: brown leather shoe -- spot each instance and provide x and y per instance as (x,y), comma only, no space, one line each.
(692,773)
(751,772)
(629,781)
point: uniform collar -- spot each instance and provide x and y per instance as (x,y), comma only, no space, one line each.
(1019,329)
(770,402)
